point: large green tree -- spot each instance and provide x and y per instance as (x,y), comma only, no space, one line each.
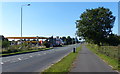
(95,24)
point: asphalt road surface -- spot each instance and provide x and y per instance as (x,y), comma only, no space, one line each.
(87,61)
(34,62)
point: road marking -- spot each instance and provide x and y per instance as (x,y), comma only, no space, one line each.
(1,63)
(31,56)
(19,59)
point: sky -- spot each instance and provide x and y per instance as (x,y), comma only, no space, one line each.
(47,18)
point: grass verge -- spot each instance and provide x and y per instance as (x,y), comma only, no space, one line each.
(65,64)
(107,59)
(25,51)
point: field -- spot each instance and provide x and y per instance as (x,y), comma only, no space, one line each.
(111,51)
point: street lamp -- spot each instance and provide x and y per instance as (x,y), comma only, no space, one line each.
(21,18)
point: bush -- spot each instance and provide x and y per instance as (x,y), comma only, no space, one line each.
(46,43)
(13,50)
(5,44)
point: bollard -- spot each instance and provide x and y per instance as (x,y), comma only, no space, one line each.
(74,50)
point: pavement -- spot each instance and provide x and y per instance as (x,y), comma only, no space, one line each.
(34,62)
(89,63)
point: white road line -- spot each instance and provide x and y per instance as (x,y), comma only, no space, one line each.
(31,56)
(1,63)
(19,59)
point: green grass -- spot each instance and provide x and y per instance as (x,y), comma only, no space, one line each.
(25,51)
(111,61)
(65,64)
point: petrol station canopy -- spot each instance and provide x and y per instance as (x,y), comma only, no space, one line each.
(27,37)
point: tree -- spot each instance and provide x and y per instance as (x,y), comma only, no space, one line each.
(69,40)
(73,40)
(51,41)
(95,25)
(76,40)
(5,42)
(64,39)
(46,43)
(113,40)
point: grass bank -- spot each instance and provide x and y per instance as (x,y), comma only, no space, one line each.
(109,56)
(65,64)
(14,50)
(25,51)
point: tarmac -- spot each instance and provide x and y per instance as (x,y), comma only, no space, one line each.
(88,62)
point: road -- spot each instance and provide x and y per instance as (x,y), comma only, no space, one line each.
(87,61)
(34,62)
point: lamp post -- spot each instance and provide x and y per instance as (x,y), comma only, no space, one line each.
(21,18)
